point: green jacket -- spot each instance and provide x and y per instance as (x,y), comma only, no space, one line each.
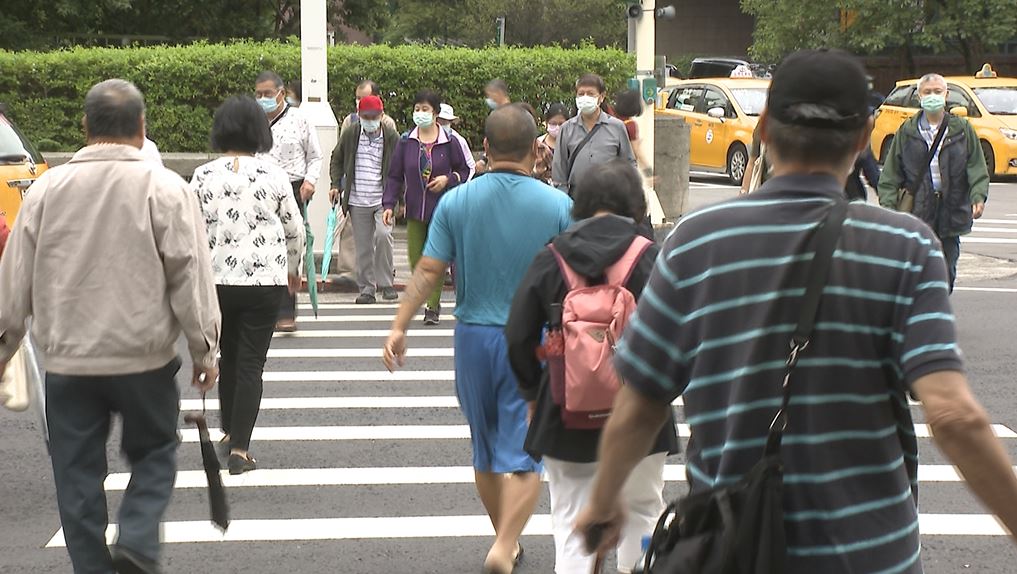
(344,158)
(965,179)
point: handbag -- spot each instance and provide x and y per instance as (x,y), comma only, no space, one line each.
(905,196)
(739,529)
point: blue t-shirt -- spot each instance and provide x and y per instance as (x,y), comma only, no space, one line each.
(492,228)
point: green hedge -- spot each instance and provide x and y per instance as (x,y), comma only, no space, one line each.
(183,85)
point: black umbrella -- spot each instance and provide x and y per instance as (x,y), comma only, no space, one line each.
(218,506)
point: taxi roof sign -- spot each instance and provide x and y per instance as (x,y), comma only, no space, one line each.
(986,72)
(742,71)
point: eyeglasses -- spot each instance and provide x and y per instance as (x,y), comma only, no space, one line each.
(267,93)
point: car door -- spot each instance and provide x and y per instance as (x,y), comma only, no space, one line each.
(685,101)
(714,135)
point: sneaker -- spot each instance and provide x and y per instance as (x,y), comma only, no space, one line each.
(366,299)
(127,561)
(389,293)
(431,316)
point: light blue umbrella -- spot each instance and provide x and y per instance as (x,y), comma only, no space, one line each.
(330,225)
(312,275)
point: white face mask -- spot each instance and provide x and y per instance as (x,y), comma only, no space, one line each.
(587,104)
(553,129)
(370,126)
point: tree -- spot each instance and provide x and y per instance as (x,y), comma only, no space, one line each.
(964,27)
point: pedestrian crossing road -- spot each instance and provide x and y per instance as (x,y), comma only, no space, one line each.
(365,471)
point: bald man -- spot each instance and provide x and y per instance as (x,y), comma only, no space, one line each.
(491,228)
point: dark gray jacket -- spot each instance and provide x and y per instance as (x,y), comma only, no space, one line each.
(344,158)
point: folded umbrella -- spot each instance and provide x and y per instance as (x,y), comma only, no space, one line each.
(312,276)
(219,507)
(330,225)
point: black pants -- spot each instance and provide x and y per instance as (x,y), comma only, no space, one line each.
(248,320)
(288,307)
(79,410)
(951,252)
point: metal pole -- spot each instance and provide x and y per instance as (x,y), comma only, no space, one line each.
(315,107)
(501,31)
(644,30)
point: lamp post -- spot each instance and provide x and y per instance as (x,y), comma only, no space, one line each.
(317,110)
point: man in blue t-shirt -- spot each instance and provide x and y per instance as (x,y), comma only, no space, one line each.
(492,228)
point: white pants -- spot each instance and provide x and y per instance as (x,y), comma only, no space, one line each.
(570,484)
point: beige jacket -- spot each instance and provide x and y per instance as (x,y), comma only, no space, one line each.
(109,256)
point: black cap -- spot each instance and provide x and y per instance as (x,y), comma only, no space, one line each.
(820,89)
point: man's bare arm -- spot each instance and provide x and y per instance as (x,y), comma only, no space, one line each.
(961,429)
(427,276)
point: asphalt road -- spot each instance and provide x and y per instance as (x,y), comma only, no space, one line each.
(362,472)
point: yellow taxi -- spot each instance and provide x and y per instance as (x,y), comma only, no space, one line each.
(721,112)
(989,103)
(20,165)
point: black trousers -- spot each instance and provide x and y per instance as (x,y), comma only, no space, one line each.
(288,307)
(248,321)
(79,410)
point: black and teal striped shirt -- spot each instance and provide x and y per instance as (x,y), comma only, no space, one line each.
(714,325)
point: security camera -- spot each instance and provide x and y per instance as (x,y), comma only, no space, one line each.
(666,13)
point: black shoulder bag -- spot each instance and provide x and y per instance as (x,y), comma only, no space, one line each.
(575,154)
(905,196)
(739,529)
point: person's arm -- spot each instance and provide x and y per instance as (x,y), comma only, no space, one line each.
(293,224)
(526,321)
(16,273)
(460,170)
(182,243)
(395,180)
(337,163)
(468,156)
(892,177)
(559,165)
(312,154)
(978,173)
(960,428)
(625,147)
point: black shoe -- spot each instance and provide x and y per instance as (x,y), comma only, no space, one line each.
(389,293)
(127,561)
(366,299)
(239,465)
(431,317)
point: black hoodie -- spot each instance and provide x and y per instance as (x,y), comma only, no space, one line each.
(589,247)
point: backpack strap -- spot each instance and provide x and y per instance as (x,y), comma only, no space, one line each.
(619,273)
(572,279)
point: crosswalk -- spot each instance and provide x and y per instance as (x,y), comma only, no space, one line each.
(994,231)
(365,455)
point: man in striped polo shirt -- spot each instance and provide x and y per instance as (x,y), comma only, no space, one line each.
(716,318)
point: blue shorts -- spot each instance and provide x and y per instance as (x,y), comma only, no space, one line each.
(489,398)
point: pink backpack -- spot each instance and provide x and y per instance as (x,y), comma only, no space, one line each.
(580,348)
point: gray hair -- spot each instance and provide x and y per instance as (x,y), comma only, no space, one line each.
(930,78)
(114,109)
(269,76)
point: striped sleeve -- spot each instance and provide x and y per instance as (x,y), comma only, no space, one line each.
(929,342)
(649,358)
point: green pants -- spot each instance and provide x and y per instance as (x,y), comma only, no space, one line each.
(416,237)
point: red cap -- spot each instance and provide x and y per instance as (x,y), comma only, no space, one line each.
(370,104)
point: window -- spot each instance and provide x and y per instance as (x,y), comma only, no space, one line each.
(999,101)
(14,147)
(685,99)
(714,98)
(901,97)
(958,98)
(751,100)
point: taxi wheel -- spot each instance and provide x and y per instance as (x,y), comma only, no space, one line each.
(990,158)
(737,160)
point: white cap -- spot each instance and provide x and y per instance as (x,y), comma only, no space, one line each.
(447,113)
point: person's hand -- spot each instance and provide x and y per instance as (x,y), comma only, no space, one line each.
(294,284)
(395,350)
(481,167)
(977,210)
(531,411)
(388,217)
(602,523)
(333,195)
(204,378)
(438,184)
(306,191)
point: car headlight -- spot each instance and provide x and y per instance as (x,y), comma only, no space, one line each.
(1009,133)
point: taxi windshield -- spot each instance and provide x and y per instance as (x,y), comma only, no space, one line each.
(13,147)
(750,100)
(999,100)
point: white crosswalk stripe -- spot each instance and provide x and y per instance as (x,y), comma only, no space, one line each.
(311,400)
(993,232)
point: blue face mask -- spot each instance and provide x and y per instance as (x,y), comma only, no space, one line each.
(423,119)
(268,104)
(491,103)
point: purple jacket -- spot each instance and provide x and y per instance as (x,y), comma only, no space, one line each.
(404,173)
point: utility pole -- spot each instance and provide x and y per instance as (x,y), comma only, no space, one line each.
(315,107)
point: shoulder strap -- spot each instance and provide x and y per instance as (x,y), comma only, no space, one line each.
(825,243)
(572,279)
(620,272)
(582,144)
(940,133)
(280,116)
